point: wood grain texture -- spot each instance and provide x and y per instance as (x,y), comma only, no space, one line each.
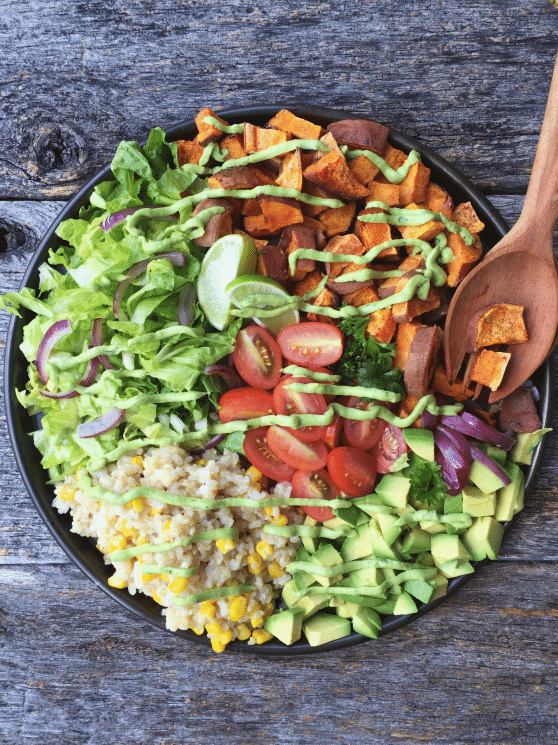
(470,80)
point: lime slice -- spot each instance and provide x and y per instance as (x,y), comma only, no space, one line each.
(253,284)
(226,259)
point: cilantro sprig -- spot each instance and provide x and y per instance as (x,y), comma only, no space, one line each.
(427,484)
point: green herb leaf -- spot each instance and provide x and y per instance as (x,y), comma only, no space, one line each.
(427,483)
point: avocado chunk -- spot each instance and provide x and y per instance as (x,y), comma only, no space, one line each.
(325,627)
(303,580)
(446,548)
(477,503)
(510,498)
(286,625)
(455,568)
(525,444)
(388,525)
(440,587)
(366,577)
(357,544)
(344,608)
(484,478)
(367,622)
(351,515)
(482,540)
(393,490)
(420,441)
(380,548)
(309,604)
(326,556)
(419,589)
(496,453)
(404,605)
(453,504)
(416,541)
(311,544)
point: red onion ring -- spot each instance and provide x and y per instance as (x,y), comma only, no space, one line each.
(201,449)
(176,258)
(56,332)
(455,464)
(483,458)
(97,338)
(186,305)
(428,420)
(230,377)
(101,424)
(470,425)
(118,217)
(453,483)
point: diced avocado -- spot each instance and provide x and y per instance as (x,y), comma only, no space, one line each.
(390,530)
(404,605)
(419,589)
(510,499)
(420,441)
(484,478)
(426,559)
(390,579)
(380,548)
(525,443)
(446,548)
(416,541)
(357,544)
(393,490)
(455,568)
(334,523)
(351,515)
(477,503)
(366,577)
(309,604)
(369,504)
(496,453)
(326,556)
(453,504)
(286,625)
(311,544)
(345,609)
(367,622)
(289,595)
(482,540)
(440,586)
(386,607)
(432,526)
(324,627)
(302,580)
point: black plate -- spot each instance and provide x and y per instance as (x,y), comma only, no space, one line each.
(20,424)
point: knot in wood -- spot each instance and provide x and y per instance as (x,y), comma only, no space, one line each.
(12,237)
(57,149)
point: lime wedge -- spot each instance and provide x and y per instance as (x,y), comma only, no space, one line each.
(228,257)
(253,284)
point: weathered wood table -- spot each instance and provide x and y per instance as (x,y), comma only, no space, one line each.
(470,79)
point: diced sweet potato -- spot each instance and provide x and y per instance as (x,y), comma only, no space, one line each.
(326,299)
(423,358)
(207,132)
(280,212)
(263,174)
(394,158)
(425,232)
(406,311)
(501,323)
(406,407)
(218,225)
(293,238)
(332,173)
(441,384)
(409,266)
(374,233)
(347,244)
(189,151)
(337,219)
(413,188)
(258,138)
(387,193)
(290,176)
(360,134)
(381,325)
(234,144)
(363,168)
(464,214)
(272,262)
(258,227)
(490,367)
(438,200)
(238,177)
(518,412)
(312,210)
(286,121)
(309,283)
(251,207)
(464,259)
(403,338)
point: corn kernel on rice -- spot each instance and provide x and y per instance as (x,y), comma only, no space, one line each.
(173,470)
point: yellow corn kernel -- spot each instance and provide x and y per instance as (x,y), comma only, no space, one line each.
(242,632)
(224,545)
(264,549)
(117,543)
(208,609)
(197,630)
(268,511)
(165,577)
(66,493)
(128,532)
(142,540)
(261,636)
(256,621)
(157,598)
(213,628)
(227,636)
(114,581)
(281,520)
(137,460)
(137,504)
(255,563)
(167,525)
(256,606)
(217,644)
(275,570)
(255,477)
(237,608)
(201,462)
(148,577)
(155,511)
(178,584)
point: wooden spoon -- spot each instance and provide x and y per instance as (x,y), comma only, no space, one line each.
(520,270)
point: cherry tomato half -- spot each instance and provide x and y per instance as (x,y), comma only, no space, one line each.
(353,470)
(318,485)
(332,434)
(289,402)
(328,397)
(390,448)
(303,456)
(311,344)
(257,357)
(363,434)
(261,457)
(245,403)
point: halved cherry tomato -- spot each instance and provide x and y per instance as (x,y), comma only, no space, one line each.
(390,448)
(245,403)
(318,485)
(363,434)
(332,434)
(289,402)
(353,470)
(311,344)
(328,397)
(261,457)
(257,357)
(303,456)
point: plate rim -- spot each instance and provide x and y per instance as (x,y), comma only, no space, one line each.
(78,548)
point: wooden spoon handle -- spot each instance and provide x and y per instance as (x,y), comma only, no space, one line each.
(540,209)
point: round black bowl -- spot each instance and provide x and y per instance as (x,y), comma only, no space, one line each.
(20,424)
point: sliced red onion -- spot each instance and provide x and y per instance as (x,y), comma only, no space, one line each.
(231,378)
(454,464)
(97,339)
(201,449)
(102,424)
(428,420)
(187,305)
(91,371)
(176,258)
(483,458)
(459,441)
(60,395)
(118,217)
(449,474)
(56,332)
(470,425)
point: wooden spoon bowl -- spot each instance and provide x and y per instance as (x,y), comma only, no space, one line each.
(520,270)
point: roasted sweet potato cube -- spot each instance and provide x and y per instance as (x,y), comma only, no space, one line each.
(317,227)
(387,193)
(363,168)
(490,367)
(234,144)
(294,237)
(438,200)
(189,151)
(263,174)
(332,173)
(272,262)
(312,210)
(361,134)
(251,207)
(413,188)
(374,233)
(501,323)
(286,121)
(464,259)
(258,138)
(207,132)
(308,283)
(238,177)
(394,158)
(326,299)
(347,244)
(422,360)
(464,214)
(441,384)
(337,219)
(257,226)
(406,311)
(382,324)
(280,212)
(406,408)
(425,232)
(290,176)
(403,338)
(409,266)
(218,225)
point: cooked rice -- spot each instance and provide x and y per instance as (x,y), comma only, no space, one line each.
(149,521)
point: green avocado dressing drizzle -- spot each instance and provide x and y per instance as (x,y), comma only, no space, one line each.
(175,571)
(317,377)
(160,548)
(230,129)
(395,176)
(213,594)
